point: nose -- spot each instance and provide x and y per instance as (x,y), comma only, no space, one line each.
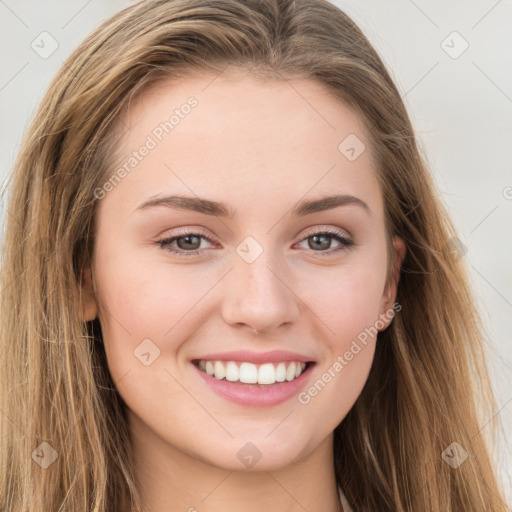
(259,297)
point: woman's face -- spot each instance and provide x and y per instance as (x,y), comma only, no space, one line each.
(268,281)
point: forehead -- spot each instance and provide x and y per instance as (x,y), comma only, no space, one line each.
(236,136)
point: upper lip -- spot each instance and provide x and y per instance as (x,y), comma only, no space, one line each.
(274,356)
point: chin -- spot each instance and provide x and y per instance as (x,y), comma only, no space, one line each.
(256,453)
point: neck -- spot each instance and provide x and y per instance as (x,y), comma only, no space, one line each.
(170,480)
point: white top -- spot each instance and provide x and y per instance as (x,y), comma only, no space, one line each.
(344,502)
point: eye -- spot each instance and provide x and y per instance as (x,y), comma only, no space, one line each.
(319,241)
(189,242)
(185,240)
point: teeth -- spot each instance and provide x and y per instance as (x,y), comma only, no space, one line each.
(232,373)
(290,372)
(266,374)
(249,373)
(281,372)
(220,370)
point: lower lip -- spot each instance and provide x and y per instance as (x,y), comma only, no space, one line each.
(256,395)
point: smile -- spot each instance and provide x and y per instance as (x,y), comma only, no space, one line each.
(250,373)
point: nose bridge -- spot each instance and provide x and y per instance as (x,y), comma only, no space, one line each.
(258,295)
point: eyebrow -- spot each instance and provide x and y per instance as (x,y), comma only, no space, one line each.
(218,209)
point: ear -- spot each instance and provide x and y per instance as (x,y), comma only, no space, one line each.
(389,295)
(90,306)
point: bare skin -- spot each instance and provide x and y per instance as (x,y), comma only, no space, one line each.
(260,147)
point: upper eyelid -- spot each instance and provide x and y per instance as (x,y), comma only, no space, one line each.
(329,230)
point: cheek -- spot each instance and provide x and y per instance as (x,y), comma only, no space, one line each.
(348,305)
(140,322)
(144,295)
(147,299)
(130,306)
(346,299)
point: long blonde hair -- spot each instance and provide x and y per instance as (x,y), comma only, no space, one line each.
(428,386)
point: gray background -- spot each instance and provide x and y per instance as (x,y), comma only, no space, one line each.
(460,103)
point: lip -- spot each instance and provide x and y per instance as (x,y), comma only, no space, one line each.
(256,395)
(274,356)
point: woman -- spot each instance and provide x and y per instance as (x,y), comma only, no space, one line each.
(263,367)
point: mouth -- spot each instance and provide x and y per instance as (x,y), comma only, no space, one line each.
(266,374)
(256,383)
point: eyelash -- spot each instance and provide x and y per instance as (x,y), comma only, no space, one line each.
(336,234)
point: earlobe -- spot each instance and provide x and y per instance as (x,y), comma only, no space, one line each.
(90,306)
(389,295)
